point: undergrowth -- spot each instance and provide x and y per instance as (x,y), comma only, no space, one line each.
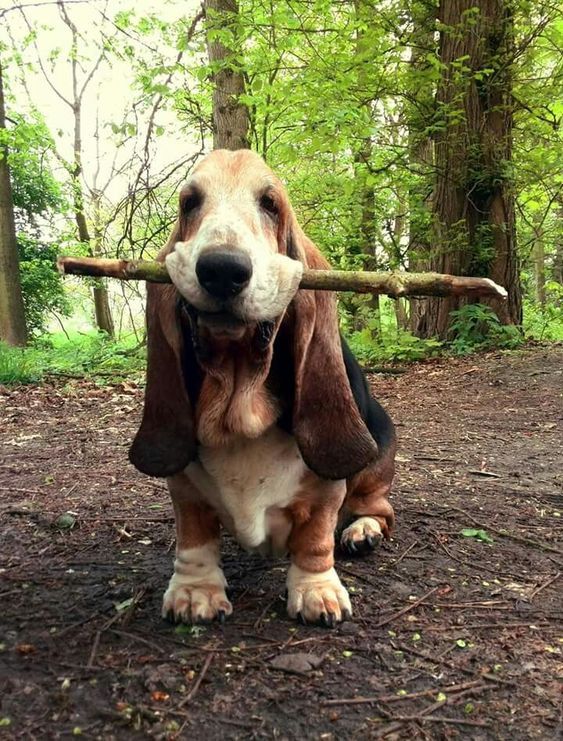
(475,328)
(80,355)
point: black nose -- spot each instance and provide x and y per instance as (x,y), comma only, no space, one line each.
(224,274)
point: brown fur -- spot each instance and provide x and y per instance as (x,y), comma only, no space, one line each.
(314,513)
(234,399)
(331,435)
(196,523)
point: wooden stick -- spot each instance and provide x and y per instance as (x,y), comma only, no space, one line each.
(193,692)
(394,284)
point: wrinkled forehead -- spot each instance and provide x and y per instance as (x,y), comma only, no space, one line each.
(237,174)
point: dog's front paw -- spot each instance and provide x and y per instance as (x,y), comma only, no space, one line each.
(188,601)
(317,598)
(196,592)
(361,536)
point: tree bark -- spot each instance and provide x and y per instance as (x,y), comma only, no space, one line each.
(473,203)
(420,111)
(230,116)
(13,328)
(102,310)
(366,196)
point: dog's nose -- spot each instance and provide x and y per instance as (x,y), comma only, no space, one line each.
(224,274)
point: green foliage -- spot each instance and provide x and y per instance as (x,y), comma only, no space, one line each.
(476,327)
(343,104)
(78,356)
(18,366)
(36,191)
(42,287)
(545,324)
(402,347)
(482,535)
(37,195)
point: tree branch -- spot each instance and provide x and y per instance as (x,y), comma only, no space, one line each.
(393,284)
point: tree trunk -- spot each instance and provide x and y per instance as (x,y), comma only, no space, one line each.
(362,156)
(421,147)
(557,272)
(539,266)
(473,207)
(230,116)
(12,314)
(102,310)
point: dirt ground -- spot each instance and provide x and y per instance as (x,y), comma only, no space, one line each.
(454,636)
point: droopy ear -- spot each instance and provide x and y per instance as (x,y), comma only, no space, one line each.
(332,437)
(165,442)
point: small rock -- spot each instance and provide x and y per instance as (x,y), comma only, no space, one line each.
(349,629)
(65,521)
(299,663)
(162,676)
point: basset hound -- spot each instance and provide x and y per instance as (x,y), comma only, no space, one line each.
(256,411)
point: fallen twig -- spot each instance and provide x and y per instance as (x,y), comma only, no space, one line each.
(193,692)
(399,698)
(452,665)
(408,608)
(404,553)
(420,718)
(543,586)
(394,283)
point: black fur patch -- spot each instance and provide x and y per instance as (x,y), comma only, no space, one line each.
(374,415)
(193,375)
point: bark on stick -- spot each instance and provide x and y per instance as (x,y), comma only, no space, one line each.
(393,284)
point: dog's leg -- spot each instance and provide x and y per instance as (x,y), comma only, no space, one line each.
(196,592)
(315,593)
(367,513)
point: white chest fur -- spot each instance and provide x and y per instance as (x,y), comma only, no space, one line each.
(249,483)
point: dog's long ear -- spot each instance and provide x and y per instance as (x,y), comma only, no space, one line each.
(332,437)
(165,442)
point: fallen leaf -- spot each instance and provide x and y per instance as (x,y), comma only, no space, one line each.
(158,696)
(482,535)
(25,648)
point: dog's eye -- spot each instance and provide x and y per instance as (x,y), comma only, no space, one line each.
(190,202)
(268,204)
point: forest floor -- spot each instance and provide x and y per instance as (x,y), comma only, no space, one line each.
(453,636)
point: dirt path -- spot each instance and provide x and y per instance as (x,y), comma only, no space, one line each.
(453,637)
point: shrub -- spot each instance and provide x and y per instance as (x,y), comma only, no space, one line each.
(476,327)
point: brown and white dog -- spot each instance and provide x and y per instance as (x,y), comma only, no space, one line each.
(256,411)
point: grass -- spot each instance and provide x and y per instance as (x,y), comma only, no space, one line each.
(91,355)
(79,355)
(544,324)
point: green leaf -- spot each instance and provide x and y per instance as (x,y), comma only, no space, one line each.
(192,630)
(121,606)
(481,535)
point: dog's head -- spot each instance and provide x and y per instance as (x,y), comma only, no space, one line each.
(230,261)
(236,255)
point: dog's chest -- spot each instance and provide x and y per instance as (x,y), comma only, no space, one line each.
(249,483)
